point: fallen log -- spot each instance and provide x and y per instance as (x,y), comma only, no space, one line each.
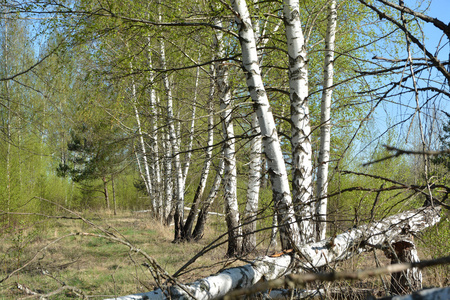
(306,258)
(427,294)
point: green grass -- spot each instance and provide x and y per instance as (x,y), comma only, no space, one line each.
(98,266)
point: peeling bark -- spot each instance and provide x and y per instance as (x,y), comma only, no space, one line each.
(410,280)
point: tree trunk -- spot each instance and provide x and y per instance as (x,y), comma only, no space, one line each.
(143,151)
(253,186)
(273,232)
(114,195)
(410,280)
(229,153)
(325,125)
(155,168)
(179,195)
(187,161)
(310,256)
(203,214)
(276,167)
(154,164)
(105,191)
(301,131)
(168,180)
(187,230)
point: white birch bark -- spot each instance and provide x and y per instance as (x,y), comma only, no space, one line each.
(155,169)
(229,152)
(179,194)
(254,176)
(146,175)
(254,184)
(168,181)
(276,167)
(154,157)
(301,131)
(187,161)
(325,123)
(313,255)
(273,232)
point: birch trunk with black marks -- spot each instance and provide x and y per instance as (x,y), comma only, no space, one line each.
(253,186)
(105,191)
(301,131)
(187,160)
(309,256)
(154,161)
(168,180)
(325,124)
(143,151)
(179,183)
(289,232)
(229,152)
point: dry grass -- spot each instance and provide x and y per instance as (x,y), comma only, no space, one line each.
(96,265)
(100,267)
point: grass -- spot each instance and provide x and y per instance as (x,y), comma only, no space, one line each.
(96,265)
(100,267)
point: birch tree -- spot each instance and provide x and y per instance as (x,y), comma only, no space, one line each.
(301,131)
(276,166)
(187,230)
(325,124)
(174,144)
(253,186)
(229,152)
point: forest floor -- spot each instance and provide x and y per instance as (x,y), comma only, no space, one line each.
(44,256)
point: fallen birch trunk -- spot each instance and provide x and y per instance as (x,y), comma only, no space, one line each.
(307,257)
(427,294)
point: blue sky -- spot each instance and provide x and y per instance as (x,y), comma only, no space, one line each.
(390,113)
(438,9)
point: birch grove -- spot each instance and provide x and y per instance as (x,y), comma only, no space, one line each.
(177,106)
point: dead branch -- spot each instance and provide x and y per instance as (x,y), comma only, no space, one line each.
(298,280)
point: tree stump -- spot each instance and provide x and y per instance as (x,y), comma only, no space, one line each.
(410,280)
